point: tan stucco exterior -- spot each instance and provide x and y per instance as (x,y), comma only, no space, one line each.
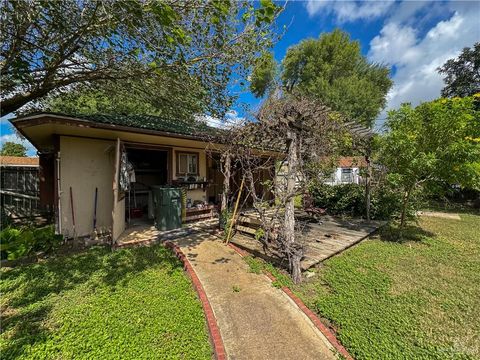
(84,165)
(87,160)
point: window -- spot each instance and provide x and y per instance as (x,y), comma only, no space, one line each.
(187,164)
(347,176)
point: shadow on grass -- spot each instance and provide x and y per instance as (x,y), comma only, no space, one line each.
(409,233)
(28,290)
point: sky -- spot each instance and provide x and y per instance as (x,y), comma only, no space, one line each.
(413,38)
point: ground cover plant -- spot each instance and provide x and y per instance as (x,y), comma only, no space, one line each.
(409,297)
(408,294)
(131,303)
(16,243)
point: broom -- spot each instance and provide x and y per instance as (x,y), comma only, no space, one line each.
(73,214)
(95,233)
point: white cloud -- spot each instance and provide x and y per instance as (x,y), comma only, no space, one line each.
(347,11)
(394,45)
(232,119)
(415,54)
(31,151)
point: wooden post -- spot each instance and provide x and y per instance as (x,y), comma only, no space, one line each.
(289,220)
(227,171)
(232,221)
(368,185)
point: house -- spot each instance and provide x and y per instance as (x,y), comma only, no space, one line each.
(18,161)
(347,171)
(108,164)
(19,185)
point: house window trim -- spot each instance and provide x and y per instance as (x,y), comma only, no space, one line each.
(350,172)
(177,160)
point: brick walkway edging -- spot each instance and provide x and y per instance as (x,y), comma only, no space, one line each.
(215,337)
(310,314)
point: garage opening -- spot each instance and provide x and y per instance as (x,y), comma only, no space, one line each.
(147,167)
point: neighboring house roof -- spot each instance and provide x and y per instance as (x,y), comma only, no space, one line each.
(18,161)
(352,162)
(146,122)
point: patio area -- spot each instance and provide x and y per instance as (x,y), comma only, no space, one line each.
(322,238)
(143,233)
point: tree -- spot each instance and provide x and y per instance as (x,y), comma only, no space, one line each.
(84,100)
(333,70)
(462,74)
(13,149)
(293,133)
(437,141)
(51,45)
(132,96)
(263,76)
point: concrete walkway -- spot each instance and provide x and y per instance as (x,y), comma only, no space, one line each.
(256,320)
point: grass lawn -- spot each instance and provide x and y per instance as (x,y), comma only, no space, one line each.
(418,298)
(129,304)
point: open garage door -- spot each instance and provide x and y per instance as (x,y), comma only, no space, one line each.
(118,212)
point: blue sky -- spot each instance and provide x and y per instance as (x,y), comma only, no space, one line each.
(412,37)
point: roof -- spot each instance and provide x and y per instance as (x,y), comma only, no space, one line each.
(352,161)
(18,161)
(145,122)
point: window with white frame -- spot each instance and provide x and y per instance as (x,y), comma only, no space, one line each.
(347,175)
(187,164)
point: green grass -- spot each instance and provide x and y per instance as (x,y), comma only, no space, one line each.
(259,266)
(129,304)
(414,297)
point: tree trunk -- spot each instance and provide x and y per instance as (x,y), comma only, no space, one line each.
(368,186)
(226,165)
(406,198)
(289,222)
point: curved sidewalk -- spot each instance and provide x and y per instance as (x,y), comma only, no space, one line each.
(256,320)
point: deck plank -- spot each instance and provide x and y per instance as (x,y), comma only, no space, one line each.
(321,240)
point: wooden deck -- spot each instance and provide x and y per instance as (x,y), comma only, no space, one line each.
(321,239)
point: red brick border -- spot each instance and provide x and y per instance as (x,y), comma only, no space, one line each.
(310,314)
(215,337)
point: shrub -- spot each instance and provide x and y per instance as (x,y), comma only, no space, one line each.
(349,199)
(346,199)
(385,202)
(17,243)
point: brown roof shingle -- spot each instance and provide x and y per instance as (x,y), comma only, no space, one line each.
(352,161)
(18,161)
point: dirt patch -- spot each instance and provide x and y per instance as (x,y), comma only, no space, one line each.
(439,214)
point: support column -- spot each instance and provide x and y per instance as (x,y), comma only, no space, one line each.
(289,220)
(226,168)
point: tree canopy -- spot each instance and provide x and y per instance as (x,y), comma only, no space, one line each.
(129,97)
(196,45)
(332,70)
(436,142)
(462,75)
(10,148)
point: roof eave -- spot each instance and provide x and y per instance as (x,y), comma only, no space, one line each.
(45,118)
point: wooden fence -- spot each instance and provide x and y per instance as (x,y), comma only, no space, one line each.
(20,191)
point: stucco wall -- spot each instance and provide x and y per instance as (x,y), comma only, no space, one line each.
(89,163)
(84,165)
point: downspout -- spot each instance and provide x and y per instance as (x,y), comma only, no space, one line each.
(59,193)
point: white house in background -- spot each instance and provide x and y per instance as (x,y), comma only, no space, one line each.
(348,171)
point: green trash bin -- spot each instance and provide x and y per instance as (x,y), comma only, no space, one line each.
(167,207)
